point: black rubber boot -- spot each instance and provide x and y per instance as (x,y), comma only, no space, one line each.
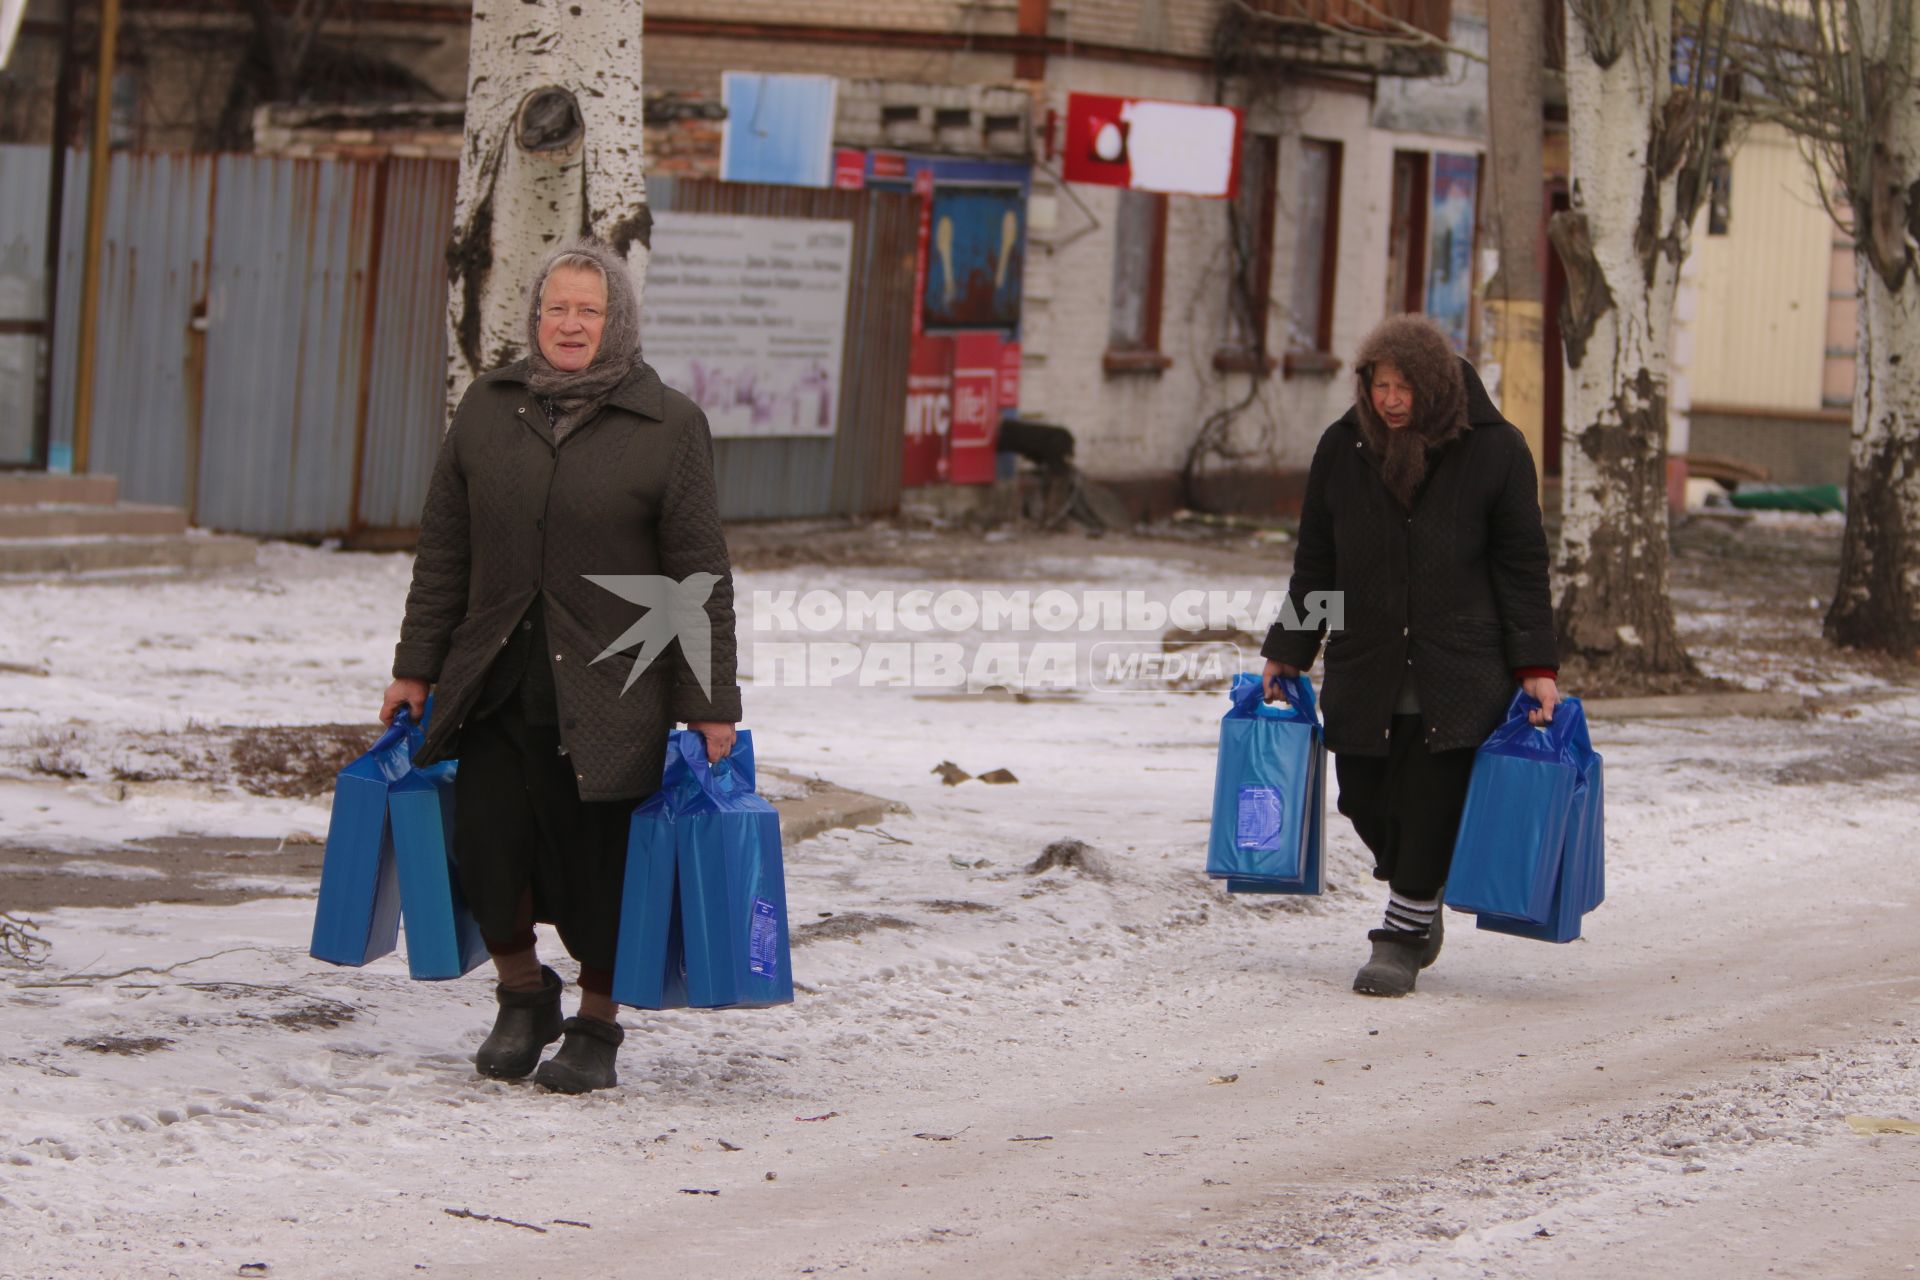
(585,1060)
(1395,964)
(1436,934)
(528,1022)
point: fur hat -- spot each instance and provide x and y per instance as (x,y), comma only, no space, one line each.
(1416,347)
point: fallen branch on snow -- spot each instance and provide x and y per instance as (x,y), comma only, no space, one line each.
(89,979)
(20,939)
(488,1217)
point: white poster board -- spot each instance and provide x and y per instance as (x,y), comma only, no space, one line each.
(748,316)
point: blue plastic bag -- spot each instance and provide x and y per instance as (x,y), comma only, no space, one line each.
(649,963)
(357,919)
(724,881)
(1511,855)
(1269,792)
(442,939)
(1582,885)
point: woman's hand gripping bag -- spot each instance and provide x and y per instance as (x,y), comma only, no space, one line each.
(357,919)
(1507,858)
(1269,792)
(442,939)
(1582,885)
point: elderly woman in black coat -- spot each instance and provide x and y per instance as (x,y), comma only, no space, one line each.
(575,461)
(1421,509)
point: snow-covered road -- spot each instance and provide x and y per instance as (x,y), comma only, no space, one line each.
(1114,1070)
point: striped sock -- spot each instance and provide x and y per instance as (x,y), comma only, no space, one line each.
(1410,915)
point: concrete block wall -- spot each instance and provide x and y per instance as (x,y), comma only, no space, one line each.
(870,115)
(1805,448)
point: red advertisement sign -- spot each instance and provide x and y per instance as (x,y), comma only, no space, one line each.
(976,407)
(1009,378)
(929,411)
(889,165)
(849,169)
(1180,148)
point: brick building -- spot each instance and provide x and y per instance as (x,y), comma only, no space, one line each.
(1170,347)
(1194,346)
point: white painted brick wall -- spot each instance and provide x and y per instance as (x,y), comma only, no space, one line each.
(1140,424)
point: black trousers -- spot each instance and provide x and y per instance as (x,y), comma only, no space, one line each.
(521,828)
(1406,807)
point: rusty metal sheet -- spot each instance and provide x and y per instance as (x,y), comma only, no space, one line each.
(285,316)
(405,408)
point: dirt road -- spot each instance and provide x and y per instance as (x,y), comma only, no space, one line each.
(995,1068)
(1663,1098)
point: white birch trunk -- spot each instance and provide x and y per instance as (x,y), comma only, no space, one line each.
(554,149)
(1622,246)
(1877,602)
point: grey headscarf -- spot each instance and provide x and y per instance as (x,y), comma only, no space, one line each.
(576,397)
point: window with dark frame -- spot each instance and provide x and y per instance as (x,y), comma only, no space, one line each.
(1139,268)
(1407,234)
(1316,256)
(1250,284)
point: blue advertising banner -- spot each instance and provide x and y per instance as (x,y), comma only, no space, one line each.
(1450,245)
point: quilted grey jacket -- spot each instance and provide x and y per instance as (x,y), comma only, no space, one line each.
(511,515)
(1454,590)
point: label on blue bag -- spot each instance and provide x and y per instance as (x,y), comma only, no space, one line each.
(1261,812)
(763,941)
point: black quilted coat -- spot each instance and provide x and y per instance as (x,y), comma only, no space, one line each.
(1456,586)
(510,515)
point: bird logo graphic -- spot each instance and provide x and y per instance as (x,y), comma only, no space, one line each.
(672,609)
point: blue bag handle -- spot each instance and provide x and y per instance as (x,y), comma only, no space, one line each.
(1249,699)
(692,777)
(1565,736)
(398,730)
(393,751)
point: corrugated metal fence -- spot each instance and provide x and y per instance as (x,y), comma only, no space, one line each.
(272,347)
(260,360)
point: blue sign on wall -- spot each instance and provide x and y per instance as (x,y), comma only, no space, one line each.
(779,129)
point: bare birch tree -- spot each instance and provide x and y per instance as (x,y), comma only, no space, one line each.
(1639,146)
(1844,76)
(554,148)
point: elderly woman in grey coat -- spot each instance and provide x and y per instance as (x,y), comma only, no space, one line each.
(571,465)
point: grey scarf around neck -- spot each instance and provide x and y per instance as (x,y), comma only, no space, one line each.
(576,397)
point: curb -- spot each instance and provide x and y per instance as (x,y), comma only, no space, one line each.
(1700,706)
(1760,704)
(826,807)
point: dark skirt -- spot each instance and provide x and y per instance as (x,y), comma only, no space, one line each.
(1406,807)
(521,827)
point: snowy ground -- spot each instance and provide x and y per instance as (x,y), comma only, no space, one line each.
(1114,1070)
